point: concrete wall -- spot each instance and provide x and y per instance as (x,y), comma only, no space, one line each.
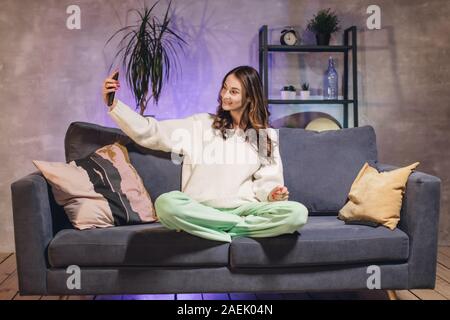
(51,76)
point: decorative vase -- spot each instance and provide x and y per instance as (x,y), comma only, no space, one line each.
(323,39)
(331,81)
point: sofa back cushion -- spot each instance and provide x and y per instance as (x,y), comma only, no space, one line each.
(156,169)
(320,167)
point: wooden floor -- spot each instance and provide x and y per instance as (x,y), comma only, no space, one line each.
(9,289)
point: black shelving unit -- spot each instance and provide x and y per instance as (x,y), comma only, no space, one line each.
(265,48)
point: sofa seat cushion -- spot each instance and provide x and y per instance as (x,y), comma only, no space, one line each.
(324,240)
(136,245)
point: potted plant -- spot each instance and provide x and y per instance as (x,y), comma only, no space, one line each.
(148,49)
(323,24)
(304,93)
(288,92)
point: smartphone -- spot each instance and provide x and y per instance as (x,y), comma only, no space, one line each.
(111,94)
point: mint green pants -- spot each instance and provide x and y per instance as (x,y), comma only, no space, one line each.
(177,211)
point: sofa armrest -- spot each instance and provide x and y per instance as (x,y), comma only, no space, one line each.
(33,231)
(419,219)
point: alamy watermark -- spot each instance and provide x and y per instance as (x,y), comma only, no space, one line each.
(73,22)
(74,280)
(199,144)
(374,20)
(374,279)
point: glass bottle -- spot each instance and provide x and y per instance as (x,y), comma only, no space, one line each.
(331,81)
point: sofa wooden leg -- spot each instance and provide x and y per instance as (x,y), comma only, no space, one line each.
(392,295)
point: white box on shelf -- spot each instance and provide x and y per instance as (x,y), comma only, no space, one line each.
(288,95)
(304,95)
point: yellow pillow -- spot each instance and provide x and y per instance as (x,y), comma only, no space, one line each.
(377,196)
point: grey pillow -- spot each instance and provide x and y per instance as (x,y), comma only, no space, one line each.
(320,167)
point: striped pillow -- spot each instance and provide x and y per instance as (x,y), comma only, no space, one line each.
(101,190)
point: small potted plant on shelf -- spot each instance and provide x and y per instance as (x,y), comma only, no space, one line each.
(288,92)
(304,93)
(323,24)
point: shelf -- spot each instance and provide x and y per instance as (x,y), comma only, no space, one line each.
(305,48)
(310,101)
(348,48)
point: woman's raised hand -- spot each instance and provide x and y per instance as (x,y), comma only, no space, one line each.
(109,85)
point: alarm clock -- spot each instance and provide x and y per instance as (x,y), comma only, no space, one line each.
(289,37)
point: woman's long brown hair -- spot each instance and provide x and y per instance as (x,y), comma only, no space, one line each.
(255,115)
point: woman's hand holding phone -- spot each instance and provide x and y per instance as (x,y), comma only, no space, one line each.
(110,86)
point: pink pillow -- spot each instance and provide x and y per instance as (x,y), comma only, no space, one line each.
(101,190)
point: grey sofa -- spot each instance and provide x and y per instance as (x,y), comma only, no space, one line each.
(326,254)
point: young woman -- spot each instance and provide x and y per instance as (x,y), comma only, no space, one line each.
(232,174)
